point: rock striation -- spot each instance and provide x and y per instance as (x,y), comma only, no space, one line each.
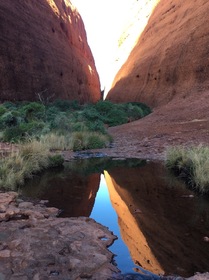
(170,58)
(44,53)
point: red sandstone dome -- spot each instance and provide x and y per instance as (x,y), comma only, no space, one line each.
(170,58)
(44,52)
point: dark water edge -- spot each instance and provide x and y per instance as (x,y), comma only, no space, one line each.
(160,213)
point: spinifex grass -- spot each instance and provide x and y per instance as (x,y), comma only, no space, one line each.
(76,141)
(191,164)
(21,164)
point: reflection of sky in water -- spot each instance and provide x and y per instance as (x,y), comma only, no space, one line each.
(104,214)
(169,231)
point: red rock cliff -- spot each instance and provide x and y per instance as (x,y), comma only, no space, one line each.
(44,49)
(170,58)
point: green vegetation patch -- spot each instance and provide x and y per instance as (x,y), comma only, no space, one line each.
(69,121)
(41,129)
(190,164)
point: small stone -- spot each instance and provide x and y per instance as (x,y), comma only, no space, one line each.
(14,244)
(85,276)
(43,201)
(54,273)
(2,208)
(37,215)
(10,213)
(206,239)
(5,254)
(52,211)
(19,200)
(3,217)
(36,276)
(26,205)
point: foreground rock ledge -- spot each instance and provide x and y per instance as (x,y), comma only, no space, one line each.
(35,244)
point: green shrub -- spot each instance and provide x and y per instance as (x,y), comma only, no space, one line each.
(134,112)
(56,161)
(61,122)
(79,126)
(22,131)
(66,105)
(104,107)
(13,134)
(95,141)
(146,109)
(8,119)
(2,110)
(51,114)
(33,110)
(97,126)
(116,117)
(32,128)
(10,106)
(90,113)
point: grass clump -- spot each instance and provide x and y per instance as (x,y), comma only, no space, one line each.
(89,140)
(29,159)
(190,164)
(76,141)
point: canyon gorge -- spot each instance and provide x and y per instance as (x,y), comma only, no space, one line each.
(162,60)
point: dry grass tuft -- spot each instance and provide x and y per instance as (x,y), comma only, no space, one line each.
(190,164)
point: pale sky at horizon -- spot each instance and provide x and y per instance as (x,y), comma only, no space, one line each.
(104,22)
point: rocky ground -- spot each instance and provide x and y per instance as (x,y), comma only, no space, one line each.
(34,244)
(181,122)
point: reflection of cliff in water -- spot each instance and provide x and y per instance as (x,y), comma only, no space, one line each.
(67,190)
(162,227)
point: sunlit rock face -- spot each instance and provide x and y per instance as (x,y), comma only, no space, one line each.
(170,58)
(44,53)
(137,16)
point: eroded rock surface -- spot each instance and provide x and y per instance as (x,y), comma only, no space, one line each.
(34,244)
(170,58)
(44,53)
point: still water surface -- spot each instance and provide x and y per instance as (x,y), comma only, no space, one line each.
(104,213)
(160,224)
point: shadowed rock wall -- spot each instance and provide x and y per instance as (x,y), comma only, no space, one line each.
(44,52)
(170,58)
